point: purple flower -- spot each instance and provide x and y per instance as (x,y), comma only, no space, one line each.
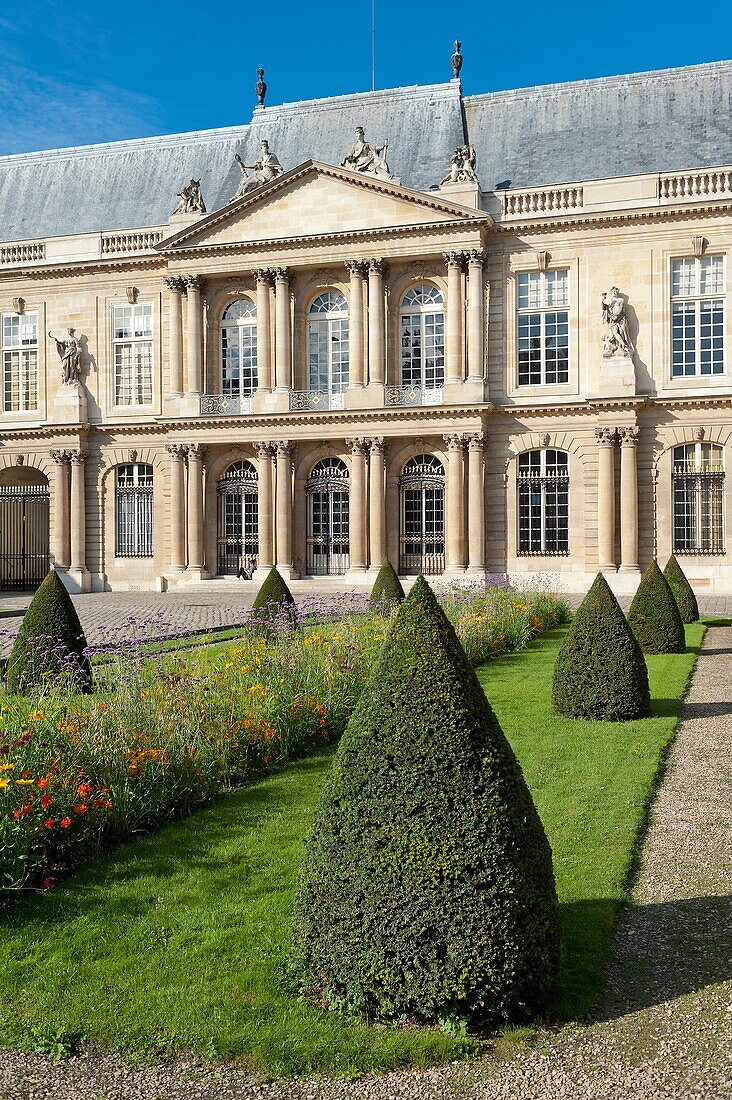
(50,882)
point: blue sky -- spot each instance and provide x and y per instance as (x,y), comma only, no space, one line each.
(81,71)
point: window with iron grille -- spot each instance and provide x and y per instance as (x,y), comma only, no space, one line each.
(239,349)
(543,502)
(422,333)
(328,344)
(697,316)
(134,507)
(132,352)
(20,362)
(698,496)
(543,327)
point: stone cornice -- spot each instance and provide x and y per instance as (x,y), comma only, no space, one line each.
(559,223)
(82,267)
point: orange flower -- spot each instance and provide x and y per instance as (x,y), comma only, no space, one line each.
(27,808)
(16,815)
(46,801)
(81,808)
(65,822)
(109,805)
(84,790)
(42,784)
(98,803)
(49,823)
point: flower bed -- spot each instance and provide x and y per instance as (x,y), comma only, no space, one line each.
(165,734)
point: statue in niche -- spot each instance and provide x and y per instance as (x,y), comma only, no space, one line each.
(191,199)
(370,159)
(265,169)
(617,338)
(462,166)
(70,354)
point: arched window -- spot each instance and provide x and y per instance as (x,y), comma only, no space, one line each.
(239,349)
(422,331)
(328,343)
(134,508)
(238,534)
(327,489)
(422,516)
(543,502)
(698,494)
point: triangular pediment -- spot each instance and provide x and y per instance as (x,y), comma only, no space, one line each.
(317,200)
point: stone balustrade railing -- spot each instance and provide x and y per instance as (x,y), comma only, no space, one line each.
(550,199)
(139,241)
(695,185)
(23,253)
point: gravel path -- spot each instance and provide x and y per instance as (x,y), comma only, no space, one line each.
(665,1028)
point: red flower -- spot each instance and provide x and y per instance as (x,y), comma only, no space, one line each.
(85,789)
(49,823)
(42,784)
(81,808)
(26,809)
(16,815)
(109,804)
(65,822)
(46,801)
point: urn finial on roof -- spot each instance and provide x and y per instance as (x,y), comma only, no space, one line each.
(260,88)
(456,61)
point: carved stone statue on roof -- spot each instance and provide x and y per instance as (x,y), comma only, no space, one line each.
(260,88)
(617,337)
(265,169)
(456,61)
(191,199)
(69,352)
(367,158)
(462,166)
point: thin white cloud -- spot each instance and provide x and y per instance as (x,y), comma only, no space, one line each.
(38,111)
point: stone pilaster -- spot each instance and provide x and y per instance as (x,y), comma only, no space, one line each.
(377,503)
(454,368)
(194,341)
(356,372)
(284,507)
(264,342)
(176,287)
(476,319)
(283,335)
(265,559)
(177,507)
(357,505)
(606,499)
(455,505)
(61,532)
(476,503)
(377,352)
(196,542)
(629,499)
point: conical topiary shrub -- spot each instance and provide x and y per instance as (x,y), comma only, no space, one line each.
(274,596)
(387,585)
(600,670)
(50,643)
(654,616)
(682,591)
(428,889)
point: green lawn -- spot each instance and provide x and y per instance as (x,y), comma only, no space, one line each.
(178,940)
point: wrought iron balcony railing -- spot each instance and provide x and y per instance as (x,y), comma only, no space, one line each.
(413,395)
(219,404)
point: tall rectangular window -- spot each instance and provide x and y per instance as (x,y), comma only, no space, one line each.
(132,348)
(698,496)
(543,502)
(543,327)
(697,312)
(134,507)
(19,362)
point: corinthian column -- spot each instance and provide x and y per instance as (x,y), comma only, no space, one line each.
(377,503)
(476,320)
(606,499)
(476,504)
(78,512)
(61,547)
(355,324)
(177,507)
(264,353)
(176,286)
(453,319)
(195,506)
(283,340)
(265,559)
(284,506)
(357,505)
(194,342)
(377,358)
(629,500)
(455,505)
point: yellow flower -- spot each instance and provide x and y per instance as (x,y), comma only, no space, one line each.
(24,782)
(36,716)
(6,767)
(4,783)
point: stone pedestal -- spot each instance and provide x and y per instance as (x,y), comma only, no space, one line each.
(466,194)
(69,404)
(616,378)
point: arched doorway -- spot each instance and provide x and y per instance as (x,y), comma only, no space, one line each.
(422,516)
(24,529)
(238,518)
(327,490)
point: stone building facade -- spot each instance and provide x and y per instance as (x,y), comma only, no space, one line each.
(499,344)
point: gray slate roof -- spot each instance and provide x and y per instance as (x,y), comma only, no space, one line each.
(648,122)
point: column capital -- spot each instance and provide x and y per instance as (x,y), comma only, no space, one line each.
(378,444)
(606,437)
(196,450)
(176,451)
(355,267)
(376,266)
(476,441)
(78,457)
(195,282)
(60,457)
(263,275)
(358,444)
(281,274)
(175,284)
(453,259)
(455,441)
(476,257)
(265,448)
(629,436)
(284,446)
